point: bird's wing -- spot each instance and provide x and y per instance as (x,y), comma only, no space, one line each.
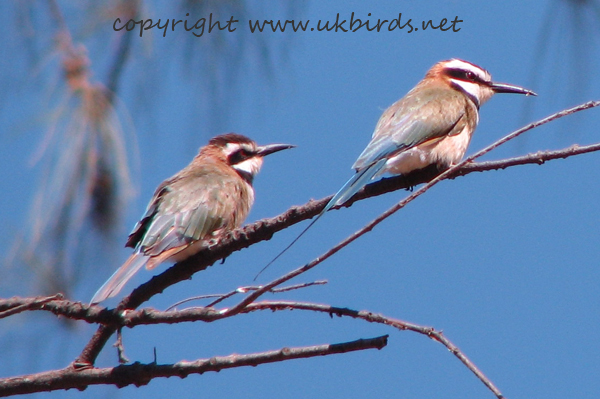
(140,228)
(193,205)
(189,208)
(420,116)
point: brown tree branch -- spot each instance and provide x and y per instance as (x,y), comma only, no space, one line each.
(97,314)
(264,229)
(242,290)
(134,318)
(447,174)
(141,374)
(538,158)
(149,316)
(9,307)
(381,319)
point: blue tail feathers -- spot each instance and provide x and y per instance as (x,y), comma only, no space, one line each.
(356,182)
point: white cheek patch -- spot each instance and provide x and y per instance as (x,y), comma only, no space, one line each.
(250,166)
(470,88)
(473,90)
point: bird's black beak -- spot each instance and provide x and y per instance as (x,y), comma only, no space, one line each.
(506,88)
(265,150)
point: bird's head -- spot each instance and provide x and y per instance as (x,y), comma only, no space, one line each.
(241,153)
(472,80)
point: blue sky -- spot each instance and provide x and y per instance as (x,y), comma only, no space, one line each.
(504,262)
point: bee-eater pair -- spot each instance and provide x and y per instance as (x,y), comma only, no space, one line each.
(431,125)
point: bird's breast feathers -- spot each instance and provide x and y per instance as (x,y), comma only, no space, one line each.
(444,152)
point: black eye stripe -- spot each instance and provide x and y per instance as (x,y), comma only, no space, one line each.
(239,156)
(467,76)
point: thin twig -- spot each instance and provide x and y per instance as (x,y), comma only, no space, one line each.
(297,286)
(120,348)
(243,290)
(141,374)
(381,319)
(537,158)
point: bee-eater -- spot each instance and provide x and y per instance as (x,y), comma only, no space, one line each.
(210,196)
(432,124)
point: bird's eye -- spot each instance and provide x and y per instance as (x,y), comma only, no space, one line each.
(462,74)
(245,153)
(239,156)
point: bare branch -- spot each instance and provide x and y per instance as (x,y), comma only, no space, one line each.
(141,374)
(16,305)
(243,290)
(147,316)
(381,319)
(134,318)
(95,314)
(120,348)
(62,307)
(298,286)
(538,158)
(449,173)
(264,229)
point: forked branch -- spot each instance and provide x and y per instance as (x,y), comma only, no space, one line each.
(111,320)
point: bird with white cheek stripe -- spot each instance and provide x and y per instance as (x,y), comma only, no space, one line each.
(431,125)
(210,196)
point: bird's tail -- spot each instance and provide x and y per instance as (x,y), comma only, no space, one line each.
(119,278)
(356,182)
(352,186)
